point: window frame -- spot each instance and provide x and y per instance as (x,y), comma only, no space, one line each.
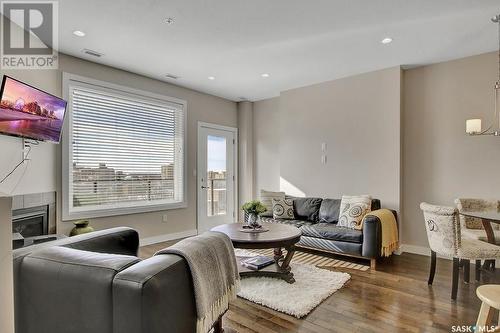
(67,149)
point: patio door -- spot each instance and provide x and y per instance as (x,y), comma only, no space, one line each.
(216,175)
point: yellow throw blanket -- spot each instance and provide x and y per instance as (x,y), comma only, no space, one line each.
(390,236)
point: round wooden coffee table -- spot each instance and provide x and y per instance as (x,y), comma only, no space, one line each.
(279,236)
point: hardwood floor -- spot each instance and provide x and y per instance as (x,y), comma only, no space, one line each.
(395,298)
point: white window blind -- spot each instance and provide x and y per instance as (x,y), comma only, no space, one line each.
(126,152)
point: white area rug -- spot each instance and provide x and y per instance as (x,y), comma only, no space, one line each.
(312,286)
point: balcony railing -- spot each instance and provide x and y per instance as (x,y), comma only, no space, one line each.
(102,192)
(217,197)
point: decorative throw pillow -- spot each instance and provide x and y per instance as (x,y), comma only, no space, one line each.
(352,211)
(283,209)
(307,208)
(329,211)
(266,197)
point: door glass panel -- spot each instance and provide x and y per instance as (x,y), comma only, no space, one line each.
(216,175)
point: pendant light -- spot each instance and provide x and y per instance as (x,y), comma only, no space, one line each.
(473,126)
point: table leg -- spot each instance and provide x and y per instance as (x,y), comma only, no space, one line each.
(278,254)
(491,239)
(281,269)
(285,265)
(289,254)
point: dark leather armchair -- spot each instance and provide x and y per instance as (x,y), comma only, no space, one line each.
(96,283)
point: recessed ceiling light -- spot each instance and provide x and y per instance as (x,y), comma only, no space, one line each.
(79,33)
(264,75)
(386,40)
(169,20)
(211,78)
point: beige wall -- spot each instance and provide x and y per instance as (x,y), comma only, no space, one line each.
(245,152)
(266,136)
(6,284)
(43,173)
(358,119)
(441,163)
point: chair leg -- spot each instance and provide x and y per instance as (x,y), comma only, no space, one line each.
(373,264)
(466,264)
(488,264)
(454,284)
(433,268)
(478,270)
(218,326)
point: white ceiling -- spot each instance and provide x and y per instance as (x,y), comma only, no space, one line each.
(297,42)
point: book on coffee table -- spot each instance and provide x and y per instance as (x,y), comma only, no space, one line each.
(257,262)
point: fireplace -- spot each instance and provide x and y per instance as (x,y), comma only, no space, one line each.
(34,214)
(30,222)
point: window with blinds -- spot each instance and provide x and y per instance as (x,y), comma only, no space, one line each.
(125,151)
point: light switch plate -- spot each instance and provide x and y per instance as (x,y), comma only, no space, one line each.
(323,147)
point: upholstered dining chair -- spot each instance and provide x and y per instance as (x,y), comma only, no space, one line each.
(473,227)
(443,232)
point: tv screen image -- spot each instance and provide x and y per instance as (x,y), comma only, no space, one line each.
(28,112)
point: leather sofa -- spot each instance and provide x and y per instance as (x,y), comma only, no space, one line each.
(317,219)
(96,283)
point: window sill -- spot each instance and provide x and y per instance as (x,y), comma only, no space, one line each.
(67,217)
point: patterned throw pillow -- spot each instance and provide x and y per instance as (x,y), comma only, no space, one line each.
(266,197)
(283,209)
(352,211)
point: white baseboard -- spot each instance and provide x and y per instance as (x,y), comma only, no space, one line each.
(417,249)
(167,237)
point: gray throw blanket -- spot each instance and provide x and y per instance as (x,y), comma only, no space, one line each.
(214,270)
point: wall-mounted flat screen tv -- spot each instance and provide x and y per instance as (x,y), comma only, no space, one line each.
(31,113)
